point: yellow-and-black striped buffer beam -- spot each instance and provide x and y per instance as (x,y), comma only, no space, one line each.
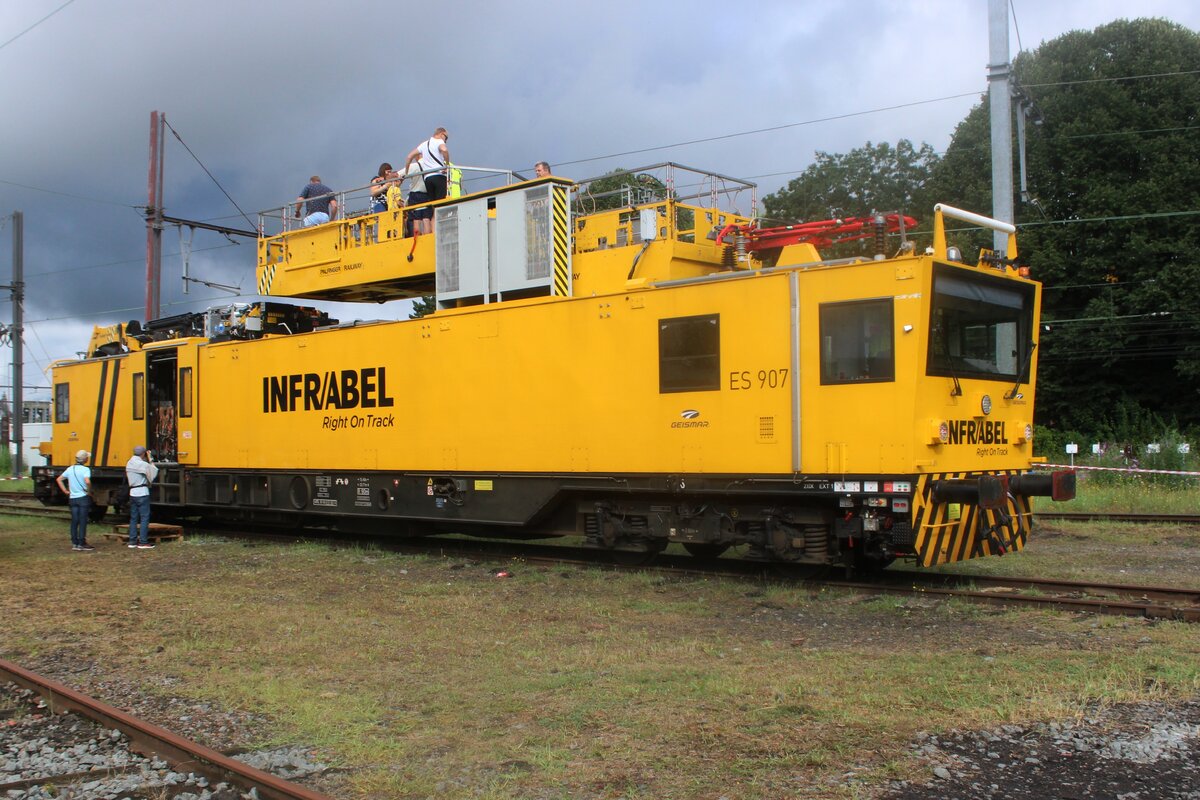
(960,515)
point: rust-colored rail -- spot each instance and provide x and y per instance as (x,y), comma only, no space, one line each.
(1116,599)
(1107,516)
(1151,602)
(183,755)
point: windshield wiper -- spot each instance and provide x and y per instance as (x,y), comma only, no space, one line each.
(1024,365)
(957,390)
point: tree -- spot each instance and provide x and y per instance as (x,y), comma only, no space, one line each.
(423,306)
(1115,167)
(874,177)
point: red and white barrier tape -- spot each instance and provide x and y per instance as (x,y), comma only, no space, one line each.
(1125,469)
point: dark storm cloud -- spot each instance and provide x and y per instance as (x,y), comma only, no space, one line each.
(268,93)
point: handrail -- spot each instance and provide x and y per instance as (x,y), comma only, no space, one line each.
(941,211)
(287,220)
(711,185)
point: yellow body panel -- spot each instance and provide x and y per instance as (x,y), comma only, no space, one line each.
(472,389)
(99,414)
(570,384)
(555,385)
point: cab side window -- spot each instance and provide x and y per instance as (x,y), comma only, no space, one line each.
(139,395)
(689,354)
(858,342)
(62,402)
(185,392)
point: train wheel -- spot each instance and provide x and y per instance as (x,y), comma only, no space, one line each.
(96,512)
(705,550)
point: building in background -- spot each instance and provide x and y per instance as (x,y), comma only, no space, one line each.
(35,415)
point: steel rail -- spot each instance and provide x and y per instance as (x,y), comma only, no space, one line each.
(1093,605)
(1154,602)
(1103,516)
(183,755)
(1151,602)
(1127,590)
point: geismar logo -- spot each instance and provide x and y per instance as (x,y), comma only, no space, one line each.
(690,418)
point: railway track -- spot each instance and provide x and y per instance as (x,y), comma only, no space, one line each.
(44,751)
(1151,602)
(1094,516)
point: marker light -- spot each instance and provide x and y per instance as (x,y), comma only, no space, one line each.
(939,432)
(1024,432)
(985,405)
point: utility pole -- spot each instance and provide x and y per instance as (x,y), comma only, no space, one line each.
(17,331)
(1001,118)
(154,215)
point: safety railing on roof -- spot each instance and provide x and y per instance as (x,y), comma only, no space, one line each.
(665,181)
(356,202)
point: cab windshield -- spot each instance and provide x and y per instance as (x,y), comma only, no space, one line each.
(980,326)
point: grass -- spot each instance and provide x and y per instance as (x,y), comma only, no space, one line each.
(1127,495)
(1167,555)
(424,676)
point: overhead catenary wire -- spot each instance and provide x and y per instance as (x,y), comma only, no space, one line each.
(703,140)
(43,366)
(119,263)
(814,121)
(128,309)
(1110,79)
(34,25)
(717,138)
(68,194)
(865,112)
(210,175)
(1012,8)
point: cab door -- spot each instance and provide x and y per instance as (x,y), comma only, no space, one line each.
(186,404)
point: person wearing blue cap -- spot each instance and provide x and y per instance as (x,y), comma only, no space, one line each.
(140,472)
(76,482)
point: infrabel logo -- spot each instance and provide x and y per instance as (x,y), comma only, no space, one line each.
(690,418)
(326,391)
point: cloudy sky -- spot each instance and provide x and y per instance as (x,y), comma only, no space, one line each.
(266,93)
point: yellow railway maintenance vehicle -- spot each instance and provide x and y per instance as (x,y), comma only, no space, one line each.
(660,371)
